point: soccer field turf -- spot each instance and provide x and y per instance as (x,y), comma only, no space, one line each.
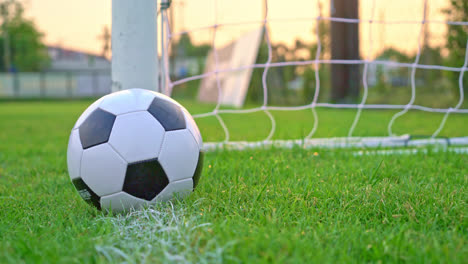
(276,205)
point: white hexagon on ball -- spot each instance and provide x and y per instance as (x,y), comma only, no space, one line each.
(127,101)
(103,170)
(137,136)
(179,155)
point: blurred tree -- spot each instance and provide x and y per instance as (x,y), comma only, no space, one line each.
(255,90)
(393,54)
(279,79)
(387,77)
(457,37)
(20,41)
(106,42)
(324,69)
(391,84)
(185,47)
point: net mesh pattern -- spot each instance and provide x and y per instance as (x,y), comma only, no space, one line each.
(388,140)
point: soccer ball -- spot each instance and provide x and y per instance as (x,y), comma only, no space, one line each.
(132,148)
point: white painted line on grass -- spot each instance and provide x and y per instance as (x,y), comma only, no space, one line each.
(162,233)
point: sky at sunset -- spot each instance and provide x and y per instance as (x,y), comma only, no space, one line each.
(78,24)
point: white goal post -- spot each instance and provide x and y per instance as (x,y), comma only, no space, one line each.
(134,45)
(388,140)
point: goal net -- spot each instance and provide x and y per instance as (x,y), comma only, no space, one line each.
(402,85)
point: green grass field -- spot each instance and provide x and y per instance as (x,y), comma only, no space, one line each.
(253,206)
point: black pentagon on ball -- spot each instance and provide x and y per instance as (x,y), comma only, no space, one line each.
(168,114)
(196,175)
(145,179)
(86,193)
(96,129)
